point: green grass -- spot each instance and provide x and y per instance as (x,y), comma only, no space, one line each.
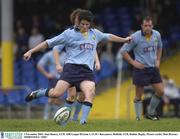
(93,125)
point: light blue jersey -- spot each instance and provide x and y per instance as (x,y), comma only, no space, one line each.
(145,51)
(47,61)
(79,49)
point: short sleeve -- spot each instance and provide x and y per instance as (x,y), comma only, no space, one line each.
(101,36)
(57,40)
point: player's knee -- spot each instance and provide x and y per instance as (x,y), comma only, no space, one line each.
(55,95)
(92,93)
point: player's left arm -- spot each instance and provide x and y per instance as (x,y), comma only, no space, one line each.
(97,62)
(159,51)
(159,54)
(111,37)
(114,38)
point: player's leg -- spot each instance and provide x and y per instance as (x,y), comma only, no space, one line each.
(58,91)
(158,86)
(138,102)
(155,100)
(78,105)
(140,79)
(71,97)
(88,88)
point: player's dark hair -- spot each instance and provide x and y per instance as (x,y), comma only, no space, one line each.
(74,14)
(146,18)
(86,15)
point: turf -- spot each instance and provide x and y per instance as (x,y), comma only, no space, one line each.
(93,125)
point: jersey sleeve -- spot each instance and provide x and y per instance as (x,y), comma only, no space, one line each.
(58,40)
(101,36)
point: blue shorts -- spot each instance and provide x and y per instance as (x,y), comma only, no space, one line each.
(147,76)
(75,74)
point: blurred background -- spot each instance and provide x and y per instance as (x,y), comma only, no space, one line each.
(26,23)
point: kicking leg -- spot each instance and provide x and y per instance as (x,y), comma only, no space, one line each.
(59,90)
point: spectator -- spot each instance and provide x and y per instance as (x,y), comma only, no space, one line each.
(172,96)
(21,42)
(35,38)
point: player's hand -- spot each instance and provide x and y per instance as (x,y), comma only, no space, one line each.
(59,68)
(157,64)
(97,66)
(138,65)
(27,55)
(128,39)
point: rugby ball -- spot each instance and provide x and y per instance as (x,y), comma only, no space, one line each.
(62,116)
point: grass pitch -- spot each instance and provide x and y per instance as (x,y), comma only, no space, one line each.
(93,125)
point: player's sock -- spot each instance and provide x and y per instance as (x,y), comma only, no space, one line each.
(155,100)
(42,92)
(138,108)
(36,94)
(69,103)
(86,107)
(77,110)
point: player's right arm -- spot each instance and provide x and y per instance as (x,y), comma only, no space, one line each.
(60,39)
(38,48)
(131,61)
(125,54)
